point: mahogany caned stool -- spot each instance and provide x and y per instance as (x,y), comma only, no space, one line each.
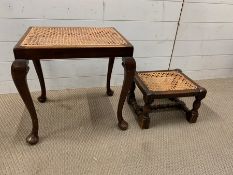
(64,43)
(169,84)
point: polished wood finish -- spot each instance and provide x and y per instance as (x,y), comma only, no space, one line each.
(142,112)
(193,113)
(20,69)
(110,66)
(42,98)
(129,65)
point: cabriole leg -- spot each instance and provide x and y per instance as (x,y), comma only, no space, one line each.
(110,66)
(42,98)
(19,70)
(129,65)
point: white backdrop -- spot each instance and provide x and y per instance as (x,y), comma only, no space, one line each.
(204,46)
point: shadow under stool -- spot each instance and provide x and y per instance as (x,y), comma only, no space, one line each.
(169,84)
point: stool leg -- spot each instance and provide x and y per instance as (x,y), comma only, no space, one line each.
(192,115)
(39,72)
(131,95)
(132,101)
(110,66)
(129,65)
(144,119)
(19,70)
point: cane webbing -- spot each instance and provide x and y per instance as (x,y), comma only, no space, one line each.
(165,81)
(73,37)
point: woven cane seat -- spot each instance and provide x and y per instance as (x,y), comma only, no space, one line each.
(166,81)
(73,37)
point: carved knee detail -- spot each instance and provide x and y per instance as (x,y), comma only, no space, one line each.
(19,68)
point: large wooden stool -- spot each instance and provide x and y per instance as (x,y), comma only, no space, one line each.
(164,84)
(64,43)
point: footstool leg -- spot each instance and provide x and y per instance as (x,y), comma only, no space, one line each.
(110,66)
(192,115)
(39,72)
(131,95)
(144,119)
(129,65)
(19,70)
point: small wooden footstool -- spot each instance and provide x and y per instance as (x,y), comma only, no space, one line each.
(169,84)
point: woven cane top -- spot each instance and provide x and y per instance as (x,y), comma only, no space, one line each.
(166,81)
(73,37)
